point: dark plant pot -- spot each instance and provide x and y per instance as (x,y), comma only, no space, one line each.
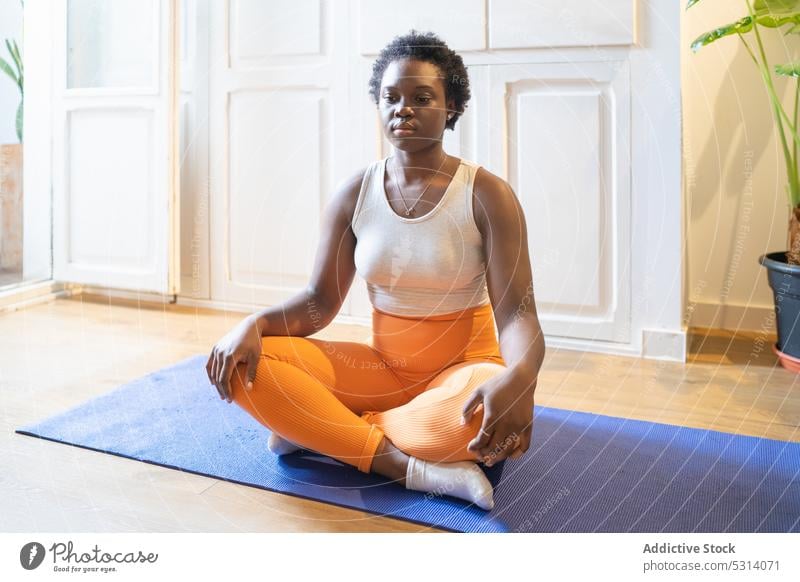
(785,282)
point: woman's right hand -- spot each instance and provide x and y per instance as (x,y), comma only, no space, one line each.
(241,344)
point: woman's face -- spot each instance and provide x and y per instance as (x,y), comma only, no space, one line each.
(412,95)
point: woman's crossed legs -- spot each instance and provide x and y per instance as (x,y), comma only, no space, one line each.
(341,398)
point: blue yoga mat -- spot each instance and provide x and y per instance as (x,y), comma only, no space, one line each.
(583,473)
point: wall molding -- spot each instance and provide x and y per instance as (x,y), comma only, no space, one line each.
(734,317)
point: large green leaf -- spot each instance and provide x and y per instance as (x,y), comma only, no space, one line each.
(740,26)
(789,70)
(769,13)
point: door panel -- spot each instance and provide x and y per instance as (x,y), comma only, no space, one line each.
(115,184)
(560,135)
(279,128)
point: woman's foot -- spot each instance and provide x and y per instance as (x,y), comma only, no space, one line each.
(462,479)
(280,446)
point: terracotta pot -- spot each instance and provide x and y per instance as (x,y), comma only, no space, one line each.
(11,207)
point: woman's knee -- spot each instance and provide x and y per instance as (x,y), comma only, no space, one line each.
(430,425)
(461,380)
(483,371)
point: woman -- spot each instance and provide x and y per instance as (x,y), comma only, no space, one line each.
(442,245)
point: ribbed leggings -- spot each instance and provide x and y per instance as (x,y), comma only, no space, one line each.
(409,383)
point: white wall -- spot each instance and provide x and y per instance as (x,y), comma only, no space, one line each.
(11,28)
(734,175)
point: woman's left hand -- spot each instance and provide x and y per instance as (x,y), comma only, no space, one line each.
(507,416)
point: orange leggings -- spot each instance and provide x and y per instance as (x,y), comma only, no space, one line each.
(340,398)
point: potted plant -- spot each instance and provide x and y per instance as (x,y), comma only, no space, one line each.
(783,268)
(11,172)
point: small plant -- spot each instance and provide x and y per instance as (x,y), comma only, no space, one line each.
(772,14)
(17,75)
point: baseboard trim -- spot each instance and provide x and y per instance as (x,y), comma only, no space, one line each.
(144,296)
(656,345)
(26,295)
(733,317)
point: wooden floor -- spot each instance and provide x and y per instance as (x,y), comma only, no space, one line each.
(57,355)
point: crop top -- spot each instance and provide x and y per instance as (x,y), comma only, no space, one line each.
(428,265)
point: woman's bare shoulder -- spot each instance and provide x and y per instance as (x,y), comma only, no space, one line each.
(494,200)
(487,183)
(345,195)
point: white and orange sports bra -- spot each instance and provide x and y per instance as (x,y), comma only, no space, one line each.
(429,265)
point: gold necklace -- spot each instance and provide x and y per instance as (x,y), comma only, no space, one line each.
(397,183)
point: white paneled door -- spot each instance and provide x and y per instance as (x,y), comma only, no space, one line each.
(279,121)
(560,134)
(115,184)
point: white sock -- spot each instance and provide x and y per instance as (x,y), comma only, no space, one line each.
(280,446)
(462,479)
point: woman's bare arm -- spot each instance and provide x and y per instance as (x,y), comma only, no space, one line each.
(508,398)
(317,304)
(508,275)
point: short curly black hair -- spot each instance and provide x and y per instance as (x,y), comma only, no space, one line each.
(430,48)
